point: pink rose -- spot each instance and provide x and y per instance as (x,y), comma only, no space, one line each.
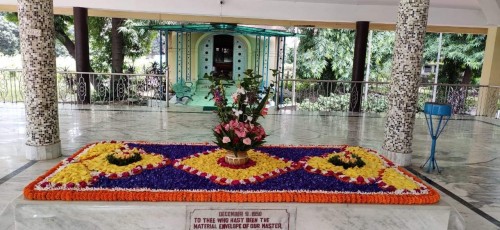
(234,124)
(247,141)
(240,133)
(218,129)
(226,140)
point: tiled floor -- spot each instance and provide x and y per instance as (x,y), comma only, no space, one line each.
(468,150)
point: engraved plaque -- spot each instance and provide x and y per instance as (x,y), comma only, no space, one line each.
(238,218)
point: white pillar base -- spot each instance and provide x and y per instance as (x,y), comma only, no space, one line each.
(45,152)
(400,159)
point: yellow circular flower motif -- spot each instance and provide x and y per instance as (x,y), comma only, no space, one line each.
(101,164)
(371,169)
(207,163)
(392,177)
(74,173)
(101,148)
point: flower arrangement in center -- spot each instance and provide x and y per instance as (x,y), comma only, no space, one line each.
(238,130)
(124,156)
(347,160)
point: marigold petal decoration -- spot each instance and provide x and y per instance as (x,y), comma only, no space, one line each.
(94,158)
(73,175)
(148,161)
(84,169)
(394,180)
(207,165)
(100,148)
(395,185)
(367,174)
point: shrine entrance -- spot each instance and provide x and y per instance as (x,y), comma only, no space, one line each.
(223,54)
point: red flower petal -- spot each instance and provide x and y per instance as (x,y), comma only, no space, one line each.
(391,188)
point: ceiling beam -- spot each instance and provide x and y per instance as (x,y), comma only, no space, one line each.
(250,21)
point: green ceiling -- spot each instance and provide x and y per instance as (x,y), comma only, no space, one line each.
(222,28)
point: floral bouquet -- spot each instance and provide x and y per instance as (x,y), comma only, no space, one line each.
(238,130)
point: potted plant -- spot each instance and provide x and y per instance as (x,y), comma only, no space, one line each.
(238,130)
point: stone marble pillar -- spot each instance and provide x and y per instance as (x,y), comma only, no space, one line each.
(36,31)
(490,75)
(406,65)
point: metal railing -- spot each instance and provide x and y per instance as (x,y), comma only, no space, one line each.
(94,88)
(309,95)
(331,95)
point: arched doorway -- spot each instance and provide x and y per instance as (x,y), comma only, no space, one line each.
(224,54)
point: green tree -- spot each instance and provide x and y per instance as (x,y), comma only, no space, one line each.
(381,55)
(104,33)
(461,56)
(317,46)
(113,39)
(64,33)
(9,37)
(462,60)
(328,48)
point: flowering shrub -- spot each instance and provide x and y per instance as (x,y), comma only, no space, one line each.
(238,129)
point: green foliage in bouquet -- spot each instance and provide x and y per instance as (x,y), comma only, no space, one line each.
(238,129)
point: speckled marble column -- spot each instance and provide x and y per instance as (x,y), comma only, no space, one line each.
(36,31)
(406,65)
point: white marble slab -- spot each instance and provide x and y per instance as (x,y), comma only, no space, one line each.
(467,150)
(24,214)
